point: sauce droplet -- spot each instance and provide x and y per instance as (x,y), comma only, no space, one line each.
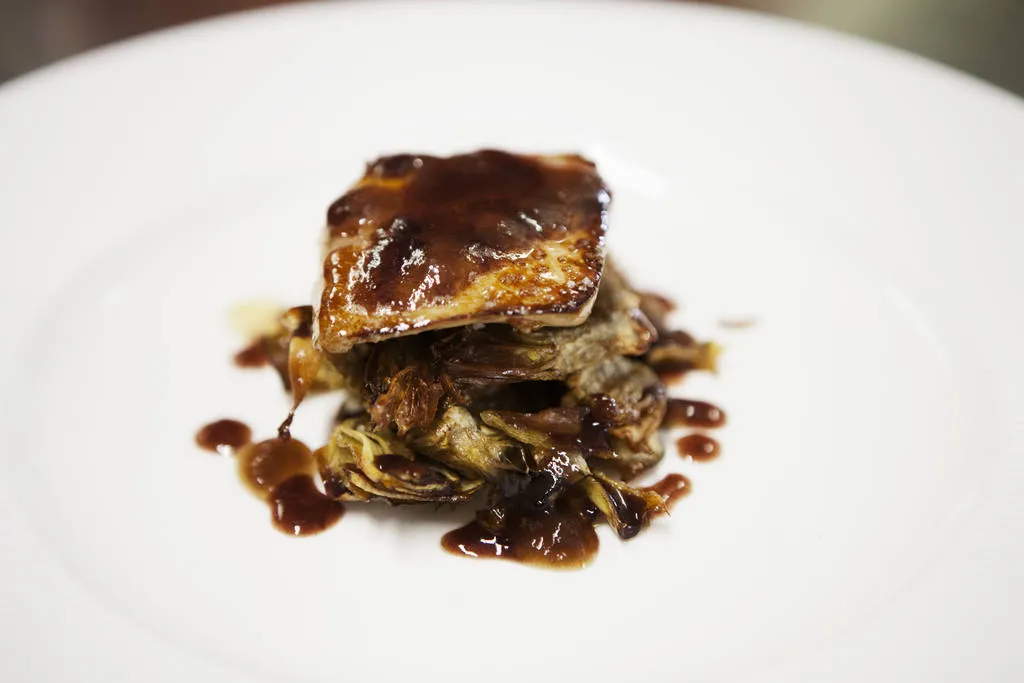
(683,412)
(698,447)
(224,436)
(299,508)
(671,487)
(252,356)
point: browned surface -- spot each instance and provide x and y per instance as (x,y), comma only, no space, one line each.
(427,242)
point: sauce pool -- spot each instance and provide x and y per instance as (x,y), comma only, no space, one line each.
(298,508)
(278,471)
(561,538)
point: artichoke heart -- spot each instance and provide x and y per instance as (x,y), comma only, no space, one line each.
(371,464)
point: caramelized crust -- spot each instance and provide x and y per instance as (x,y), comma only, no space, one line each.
(426,242)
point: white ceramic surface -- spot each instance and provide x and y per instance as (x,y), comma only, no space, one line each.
(866,207)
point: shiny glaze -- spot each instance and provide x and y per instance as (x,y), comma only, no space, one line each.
(699,447)
(265,464)
(541,525)
(562,536)
(684,412)
(417,231)
(298,508)
(632,510)
(224,436)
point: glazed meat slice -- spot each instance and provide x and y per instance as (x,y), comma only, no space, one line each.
(425,242)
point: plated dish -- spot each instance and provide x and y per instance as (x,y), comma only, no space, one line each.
(488,353)
(860,519)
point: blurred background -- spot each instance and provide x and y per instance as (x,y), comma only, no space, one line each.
(981,37)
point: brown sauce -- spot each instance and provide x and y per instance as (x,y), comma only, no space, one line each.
(299,320)
(562,537)
(284,430)
(299,508)
(252,356)
(280,471)
(658,302)
(264,465)
(678,337)
(224,436)
(668,368)
(672,487)
(698,447)
(684,412)
(671,372)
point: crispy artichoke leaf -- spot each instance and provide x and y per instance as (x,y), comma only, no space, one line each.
(675,351)
(674,356)
(500,353)
(376,464)
(551,428)
(628,510)
(627,396)
(460,441)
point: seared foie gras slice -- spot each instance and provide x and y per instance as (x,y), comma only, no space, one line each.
(426,242)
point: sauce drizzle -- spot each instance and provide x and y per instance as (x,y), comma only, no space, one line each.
(671,487)
(698,447)
(684,412)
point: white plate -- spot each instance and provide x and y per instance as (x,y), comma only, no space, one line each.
(864,522)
